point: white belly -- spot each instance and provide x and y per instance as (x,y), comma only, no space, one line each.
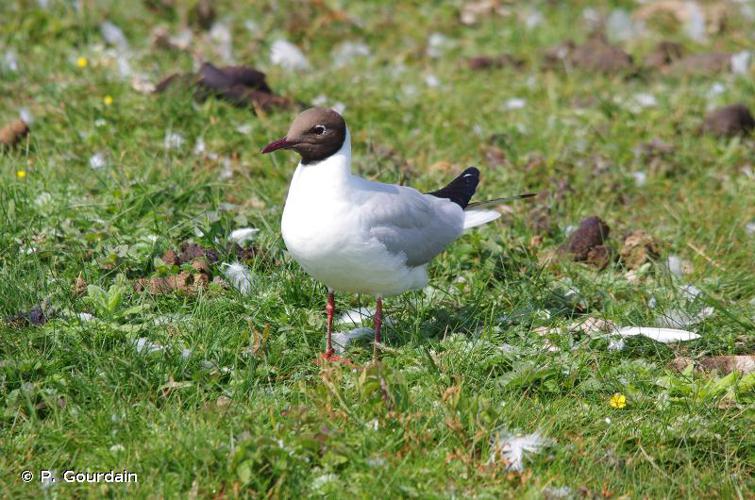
(325,238)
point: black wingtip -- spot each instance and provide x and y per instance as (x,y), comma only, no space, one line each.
(461,189)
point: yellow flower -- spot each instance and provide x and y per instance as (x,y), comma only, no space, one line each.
(20,174)
(82,62)
(618,400)
(108,100)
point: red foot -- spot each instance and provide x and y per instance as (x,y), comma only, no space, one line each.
(332,357)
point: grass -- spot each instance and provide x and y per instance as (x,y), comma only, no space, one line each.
(249,414)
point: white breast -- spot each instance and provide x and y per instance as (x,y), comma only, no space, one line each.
(322,232)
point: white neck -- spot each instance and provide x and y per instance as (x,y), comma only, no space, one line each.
(333,171)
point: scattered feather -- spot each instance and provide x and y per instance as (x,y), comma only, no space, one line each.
(513,450)
(715,90)
(677,266)
(97,161)
(114,35)
(347,52)
(341,340)
(620,27)
(43,199)
(239,276)
(220,33)
(200,147)
(690,292)
(322,480)
(124,66)
(645,100)
(740,62)
(145,346)
(356,316)
(287,55)
(252,27)
(180,41)
(245,128)
(592,18)
(640,178)
(663,335)
(694,26)
(10,61)
(750,228)
(86,317)
(616,345)
(26,116)
(173,140)
(243,235)
(553,493)
(432,81)
(437,44)
(533,19)
(142,84)
(678,318)
(227,171)
(515,103)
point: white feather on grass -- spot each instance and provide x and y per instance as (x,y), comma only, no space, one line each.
(239,276)
(342,340)
(355,316)
(242,235)
(287,55)
(513,449)
(663,335)
(678,318)
(145,346)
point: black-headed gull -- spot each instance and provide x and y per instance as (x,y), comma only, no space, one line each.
(360,236)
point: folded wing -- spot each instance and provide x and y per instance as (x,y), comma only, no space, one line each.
(408,222)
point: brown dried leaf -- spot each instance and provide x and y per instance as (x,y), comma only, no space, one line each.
(190,251)
(171,386)
(33,317)
(170,258)
(557,56)
(599,256)
(593,325)
(708,64)
(200,265)
(599,56)
(491,62)
(592,232)
(13,132)
(240,85)
(471,12)
(664,54)
(721,364)
(639,247)
(79,287)
(729,121)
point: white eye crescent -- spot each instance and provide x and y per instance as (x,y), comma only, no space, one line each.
(319,129)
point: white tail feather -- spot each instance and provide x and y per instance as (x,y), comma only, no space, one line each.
(474,218)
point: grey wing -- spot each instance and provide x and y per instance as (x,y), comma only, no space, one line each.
(411,223)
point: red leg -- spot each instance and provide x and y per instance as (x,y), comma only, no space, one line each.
(378,320)
(330,353)
(330,308)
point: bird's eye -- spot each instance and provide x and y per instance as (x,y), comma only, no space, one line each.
(319,129)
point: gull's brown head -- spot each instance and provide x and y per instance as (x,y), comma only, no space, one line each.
(315,134)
